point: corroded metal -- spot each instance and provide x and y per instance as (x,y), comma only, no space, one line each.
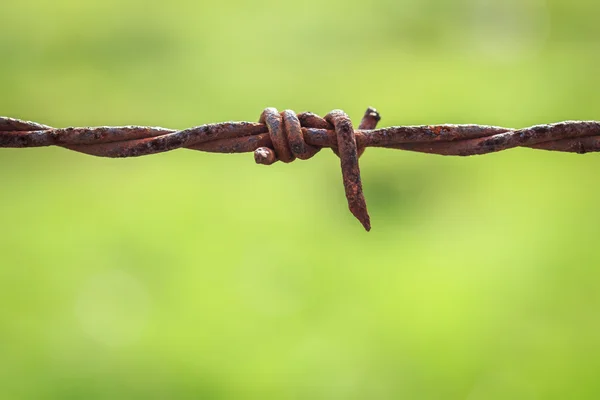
(285,136)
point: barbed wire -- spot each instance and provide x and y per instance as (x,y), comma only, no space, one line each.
(285,136)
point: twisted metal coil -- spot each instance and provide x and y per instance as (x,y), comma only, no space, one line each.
(285,136)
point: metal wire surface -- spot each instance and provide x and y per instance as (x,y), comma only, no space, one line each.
(285,136)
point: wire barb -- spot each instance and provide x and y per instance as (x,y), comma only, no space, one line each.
(286,136)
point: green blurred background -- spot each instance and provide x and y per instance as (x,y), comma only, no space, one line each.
(194,275)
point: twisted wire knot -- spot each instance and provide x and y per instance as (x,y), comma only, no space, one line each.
(288,143)
(287,139)
(285,132)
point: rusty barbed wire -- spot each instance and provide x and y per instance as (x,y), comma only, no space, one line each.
(285,136)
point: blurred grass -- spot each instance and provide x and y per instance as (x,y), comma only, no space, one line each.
(191,275)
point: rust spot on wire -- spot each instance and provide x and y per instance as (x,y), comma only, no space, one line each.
(285,136)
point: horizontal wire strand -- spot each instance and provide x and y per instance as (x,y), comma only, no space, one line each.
(302,136)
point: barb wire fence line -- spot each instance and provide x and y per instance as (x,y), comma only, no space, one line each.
(285,136)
